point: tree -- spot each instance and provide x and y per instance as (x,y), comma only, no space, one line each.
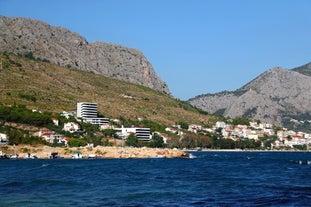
(77,143)
(188,141)
(240,120)
(183,125)
(156,141)
(224,144)
(132,141)
(204,141)
(109,132)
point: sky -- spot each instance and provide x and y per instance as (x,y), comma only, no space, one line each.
(195,46)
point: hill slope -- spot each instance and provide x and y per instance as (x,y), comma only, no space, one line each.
(275,96)
(65,48)
(48,87)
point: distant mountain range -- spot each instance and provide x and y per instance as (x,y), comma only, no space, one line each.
(60,46)
(278,96)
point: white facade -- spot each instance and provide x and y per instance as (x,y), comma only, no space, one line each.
(88,113)
(52,137)
(86,110)
(66,114)
(106,126)
(220,124)
(71,127)
(55,121)
(3,137)
(98,121)
(142,134)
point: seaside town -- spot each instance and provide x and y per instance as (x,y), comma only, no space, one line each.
(264,135)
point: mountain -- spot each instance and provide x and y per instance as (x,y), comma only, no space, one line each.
(277,96)
(48,87)
(65,48)
(304,69)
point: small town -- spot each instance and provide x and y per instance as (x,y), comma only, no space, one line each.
(262,136)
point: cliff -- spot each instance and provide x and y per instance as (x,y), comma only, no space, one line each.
(65,48)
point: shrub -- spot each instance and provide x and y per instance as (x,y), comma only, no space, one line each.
(77,143)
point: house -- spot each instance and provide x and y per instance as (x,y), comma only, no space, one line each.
(256,125)
(226,133)
(172,130)
(52,137)
(3,138)
(66,114)
(55,121)
(252,136)
(268,131)
(71,127)
(106,126)
(307,136)
(194,128)
(66,140)
(220,124)
(166,138)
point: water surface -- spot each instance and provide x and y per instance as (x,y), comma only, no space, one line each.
(210,179)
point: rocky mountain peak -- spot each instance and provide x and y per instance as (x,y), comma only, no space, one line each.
(65,48)
(304,69)
(275,96)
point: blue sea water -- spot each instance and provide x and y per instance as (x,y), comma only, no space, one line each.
(210,179)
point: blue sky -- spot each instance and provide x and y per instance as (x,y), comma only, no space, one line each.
(195,46)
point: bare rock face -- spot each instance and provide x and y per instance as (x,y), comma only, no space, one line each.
(60,46)
(272,97)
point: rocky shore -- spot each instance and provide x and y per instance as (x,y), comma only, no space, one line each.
(45,152)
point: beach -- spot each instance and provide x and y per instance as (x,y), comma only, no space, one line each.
(45,152)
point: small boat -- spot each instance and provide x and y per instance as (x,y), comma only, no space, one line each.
(4,156)
(92,156)
(54,155)
(31,156)
(76,156)
(13,156)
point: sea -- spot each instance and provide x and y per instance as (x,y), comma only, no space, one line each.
(206,179)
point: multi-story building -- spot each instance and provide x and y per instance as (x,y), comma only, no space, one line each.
(97,120)
(87,112)
(142,134)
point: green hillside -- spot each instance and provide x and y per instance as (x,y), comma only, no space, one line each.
(47,87)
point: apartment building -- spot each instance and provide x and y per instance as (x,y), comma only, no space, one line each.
(142,134)
(87,112)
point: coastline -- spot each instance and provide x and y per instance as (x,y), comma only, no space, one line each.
(242,150)
(45,152)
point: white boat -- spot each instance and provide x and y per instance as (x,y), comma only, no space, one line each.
(13,156)
(76,156)
(92,156)
(31,156)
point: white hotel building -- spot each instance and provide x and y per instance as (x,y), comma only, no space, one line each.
(142,134)
(87,112)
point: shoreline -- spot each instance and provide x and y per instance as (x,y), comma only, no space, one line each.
(240,150)
(45,152)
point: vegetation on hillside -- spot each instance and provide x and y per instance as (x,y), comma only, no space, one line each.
(28,84)
(91,133)
(44,86)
